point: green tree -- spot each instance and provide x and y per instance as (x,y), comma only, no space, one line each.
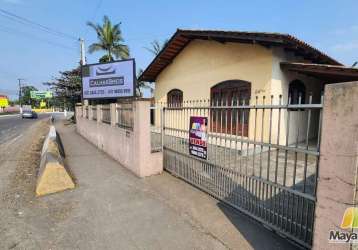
(66,88)
(26,96)
(156,47)
(110,40)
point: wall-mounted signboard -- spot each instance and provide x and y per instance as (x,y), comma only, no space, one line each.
(198,136)
(109,80)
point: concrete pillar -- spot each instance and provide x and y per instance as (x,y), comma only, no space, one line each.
(99,113)
(90,113)
(337,184)
(113,107)
(147,163)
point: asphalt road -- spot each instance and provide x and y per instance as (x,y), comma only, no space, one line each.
(12,127)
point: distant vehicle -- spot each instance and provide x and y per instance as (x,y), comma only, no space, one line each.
(29,114)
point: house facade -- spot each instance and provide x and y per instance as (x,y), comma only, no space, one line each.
(236,68)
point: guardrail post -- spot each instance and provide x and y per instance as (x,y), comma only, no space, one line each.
(337,175)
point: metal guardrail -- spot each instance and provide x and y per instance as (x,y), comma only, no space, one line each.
(94,113)
(106,114)
(125,115)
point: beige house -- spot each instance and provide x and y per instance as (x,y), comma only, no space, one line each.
(225,67)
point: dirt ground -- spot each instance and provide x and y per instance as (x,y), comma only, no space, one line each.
(19,161)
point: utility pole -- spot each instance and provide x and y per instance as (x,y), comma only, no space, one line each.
(83,59)
(20,92)
(82,52)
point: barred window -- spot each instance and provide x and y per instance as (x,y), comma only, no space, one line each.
(230,93)
(175,98)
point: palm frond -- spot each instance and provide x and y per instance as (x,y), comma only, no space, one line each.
(96,27)
(121,51)
(95,47)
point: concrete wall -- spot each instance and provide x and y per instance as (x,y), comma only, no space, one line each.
(337,178)
(129,147)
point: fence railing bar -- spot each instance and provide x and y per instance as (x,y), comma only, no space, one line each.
(291,106)
(288,189)
(264,144)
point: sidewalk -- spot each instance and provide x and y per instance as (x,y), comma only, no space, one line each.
(113,209)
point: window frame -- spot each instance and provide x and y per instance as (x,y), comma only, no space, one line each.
(175,98)
(232,90)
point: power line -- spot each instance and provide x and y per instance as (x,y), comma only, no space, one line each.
(96,9)
(13,32)
(94,14)
(26,21)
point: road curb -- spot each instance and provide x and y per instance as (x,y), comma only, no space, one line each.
(53,176)
(9,115)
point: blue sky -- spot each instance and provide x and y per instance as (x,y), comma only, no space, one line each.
(331,26)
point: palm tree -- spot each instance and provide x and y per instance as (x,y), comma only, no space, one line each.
(110,40)
(156,47)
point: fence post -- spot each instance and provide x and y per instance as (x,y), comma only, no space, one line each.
(162,123)
(337,175)
(113,111)
(90,112)
(84,111)
(99,113)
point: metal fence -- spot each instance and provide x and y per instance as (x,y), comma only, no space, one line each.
(125,115)
(106,114)
(86,112)
(262,158)
(156,116)
(94,113)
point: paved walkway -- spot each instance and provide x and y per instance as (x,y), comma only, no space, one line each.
(113,209)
